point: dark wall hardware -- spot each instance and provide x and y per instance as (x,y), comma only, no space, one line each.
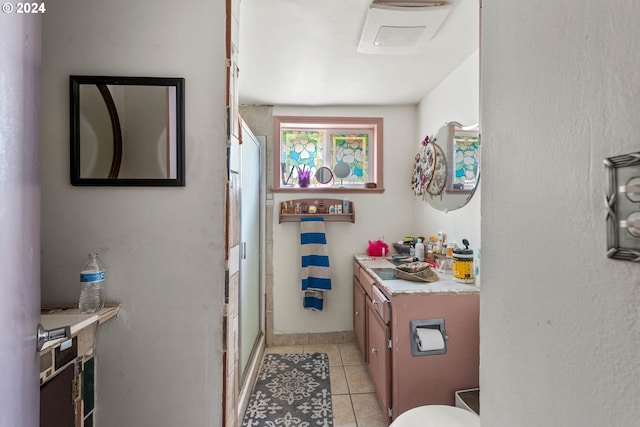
(622,204)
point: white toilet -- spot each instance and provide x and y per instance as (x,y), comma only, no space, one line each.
(437,416)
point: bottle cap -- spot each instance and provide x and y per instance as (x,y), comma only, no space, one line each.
(465,251)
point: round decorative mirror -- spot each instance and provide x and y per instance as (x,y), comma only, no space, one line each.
(324,175)
(342,170)
(452,185)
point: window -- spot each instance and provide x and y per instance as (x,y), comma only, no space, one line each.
(309,143)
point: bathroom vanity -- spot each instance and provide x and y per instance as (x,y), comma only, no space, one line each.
(68,368)
(388,312)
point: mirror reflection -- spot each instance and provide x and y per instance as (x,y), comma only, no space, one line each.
(324,175)
(463,147)
(447,167)
(127,131)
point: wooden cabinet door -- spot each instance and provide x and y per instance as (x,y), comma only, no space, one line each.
(57,407)
(360,318)
(379,356)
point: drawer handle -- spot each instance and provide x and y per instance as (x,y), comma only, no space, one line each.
(374,302)
(357,313)
(374,350)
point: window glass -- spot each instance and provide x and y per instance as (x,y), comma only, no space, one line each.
(301,150)
(305,144)
(352,150)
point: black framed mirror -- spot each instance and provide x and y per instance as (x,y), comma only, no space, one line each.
(127,131)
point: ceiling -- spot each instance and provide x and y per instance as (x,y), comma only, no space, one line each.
(304,52)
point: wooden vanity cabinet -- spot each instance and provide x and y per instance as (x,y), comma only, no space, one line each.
(379,339)
(371,316)
(58,405)
(401,379)
(68,367)
(360,317)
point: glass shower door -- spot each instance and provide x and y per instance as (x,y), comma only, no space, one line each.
(250,236)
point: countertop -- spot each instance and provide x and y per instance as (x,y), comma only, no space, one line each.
(445,285)
(57,317)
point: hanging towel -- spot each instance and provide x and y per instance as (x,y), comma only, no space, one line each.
(316,274)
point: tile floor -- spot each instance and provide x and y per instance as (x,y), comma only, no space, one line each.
(354,399)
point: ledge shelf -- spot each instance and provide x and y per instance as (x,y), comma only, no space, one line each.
(322,206)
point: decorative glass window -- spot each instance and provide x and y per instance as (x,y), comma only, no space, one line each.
(306,144)
(463,150)
(352,150)
(301,150)
(466,161)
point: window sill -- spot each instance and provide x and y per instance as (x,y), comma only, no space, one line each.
(339,190)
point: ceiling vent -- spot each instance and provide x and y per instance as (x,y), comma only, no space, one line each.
(401,27)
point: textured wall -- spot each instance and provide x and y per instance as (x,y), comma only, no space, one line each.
(455,99)
(387,215)
(560,324)
(159,361)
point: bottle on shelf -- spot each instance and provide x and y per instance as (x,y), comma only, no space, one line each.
(439,242)
(92,278)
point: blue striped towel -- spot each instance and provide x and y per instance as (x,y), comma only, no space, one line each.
(316,274)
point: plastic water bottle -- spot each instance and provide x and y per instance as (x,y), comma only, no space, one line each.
(91,285)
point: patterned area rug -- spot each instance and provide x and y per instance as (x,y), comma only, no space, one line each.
(291,390)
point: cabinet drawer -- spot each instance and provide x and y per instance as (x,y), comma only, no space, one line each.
(366,281)
(381,304)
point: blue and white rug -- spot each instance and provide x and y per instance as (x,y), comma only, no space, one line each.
(292,390)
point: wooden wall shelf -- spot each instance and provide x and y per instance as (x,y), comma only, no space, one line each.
(289,211)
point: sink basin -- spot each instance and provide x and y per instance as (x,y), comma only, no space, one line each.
(385,273)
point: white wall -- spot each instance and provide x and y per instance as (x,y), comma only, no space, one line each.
(455,99)
(159,362)
(387,215)
(560,323)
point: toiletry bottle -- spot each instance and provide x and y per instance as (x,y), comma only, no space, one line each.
(439,242)
(420,250)
(91,285)
(345,206)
